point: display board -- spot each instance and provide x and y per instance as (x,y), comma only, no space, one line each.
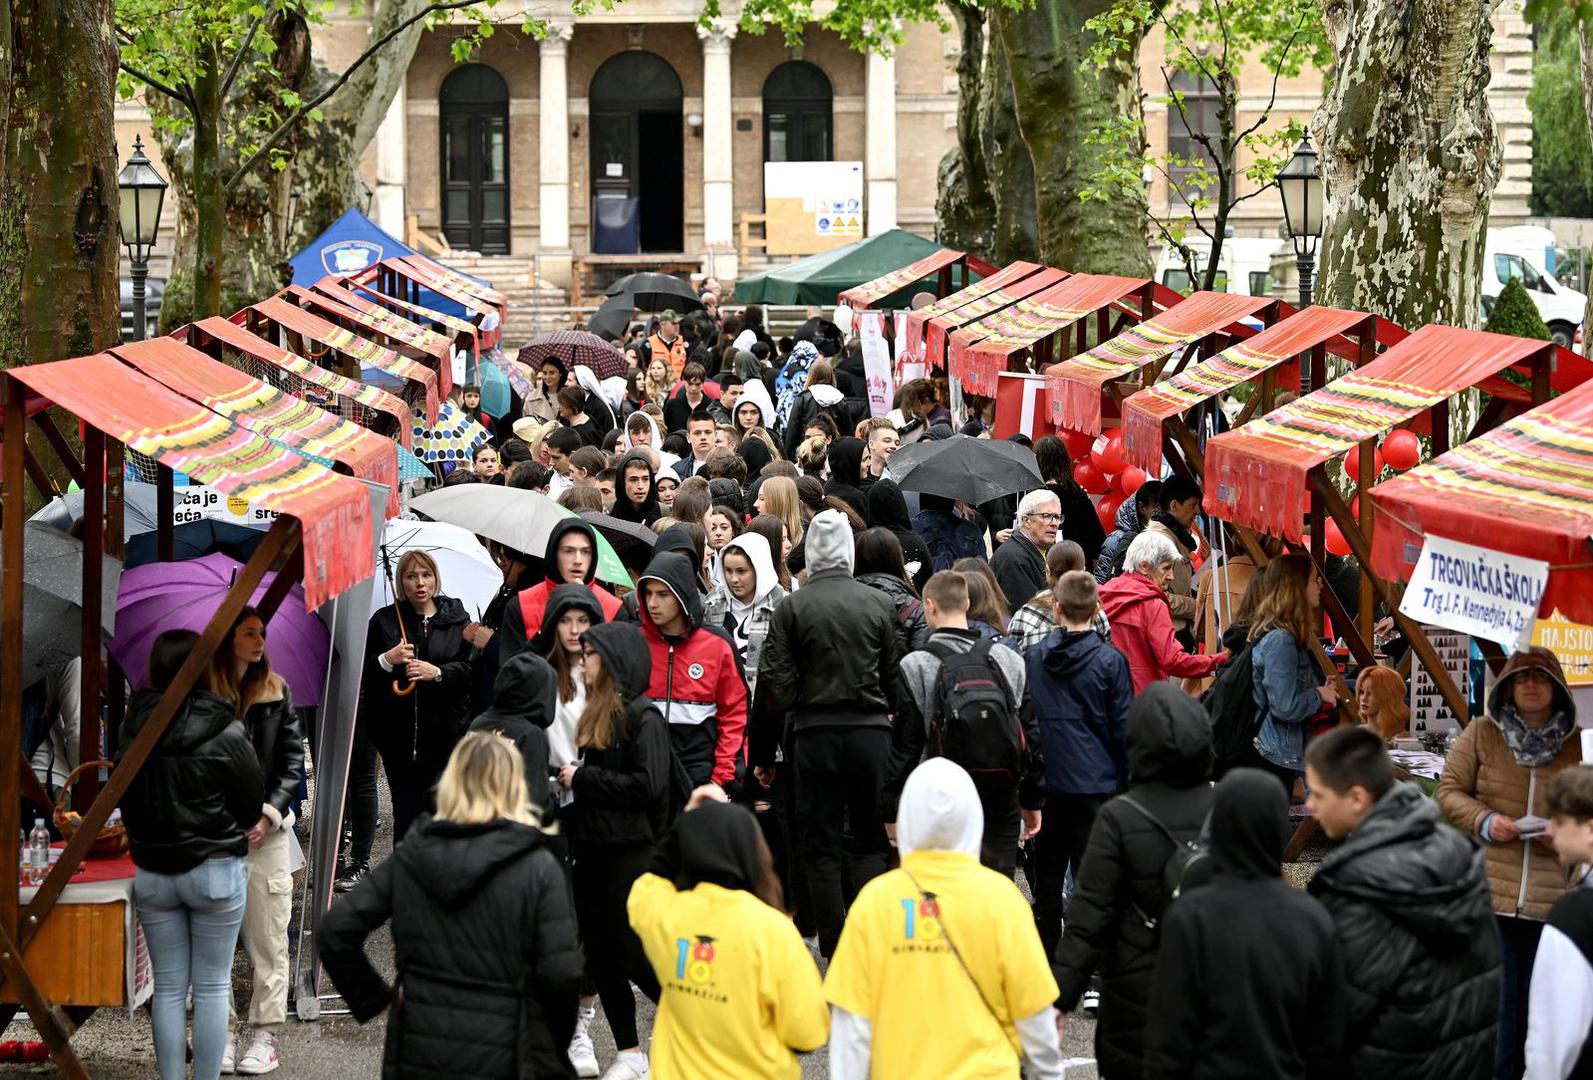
(811,206)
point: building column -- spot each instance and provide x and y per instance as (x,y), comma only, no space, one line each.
(718,170)
(879,159)
(392,168)
(553,138)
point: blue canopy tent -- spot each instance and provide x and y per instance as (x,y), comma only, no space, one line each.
(354,242)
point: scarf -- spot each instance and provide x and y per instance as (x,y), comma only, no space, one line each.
(1533,748)
(1182,535)
(792,380)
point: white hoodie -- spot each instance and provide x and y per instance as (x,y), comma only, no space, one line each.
(758,394)
(751,619)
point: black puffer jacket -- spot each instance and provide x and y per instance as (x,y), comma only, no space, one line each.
(527,696)
(622,792)
(910,620)
(199,793)
(887,509)
(485,944)
(423,725)
(1169,762)
(1414,920)
(278,740)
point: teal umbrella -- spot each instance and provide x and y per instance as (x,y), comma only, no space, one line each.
(818,279)
(411,467)
(494,390)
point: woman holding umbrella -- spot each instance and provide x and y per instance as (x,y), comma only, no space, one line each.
(415,693)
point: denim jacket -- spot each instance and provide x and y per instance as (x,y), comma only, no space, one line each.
(1285,679)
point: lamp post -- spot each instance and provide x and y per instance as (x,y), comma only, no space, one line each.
(142,192)
(1300,185)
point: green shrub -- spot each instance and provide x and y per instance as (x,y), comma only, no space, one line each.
(1515,314)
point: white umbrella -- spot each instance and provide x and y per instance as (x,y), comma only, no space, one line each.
(518,519)
(468,573)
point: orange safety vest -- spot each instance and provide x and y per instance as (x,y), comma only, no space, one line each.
(673,354)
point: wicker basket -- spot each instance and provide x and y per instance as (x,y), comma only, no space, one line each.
(112,839)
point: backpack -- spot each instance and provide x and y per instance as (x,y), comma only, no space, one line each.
(1230,701)
(1189,864)
(974,723)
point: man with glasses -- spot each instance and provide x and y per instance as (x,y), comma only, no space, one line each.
(1019,564)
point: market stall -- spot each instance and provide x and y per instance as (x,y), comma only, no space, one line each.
(938,266)
(391,332)
(929,327)
(465,335)
(429,284)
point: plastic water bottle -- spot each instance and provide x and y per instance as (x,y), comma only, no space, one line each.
(24,871)
(39,851)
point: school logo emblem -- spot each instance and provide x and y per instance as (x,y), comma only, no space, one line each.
(694,960)
(350,256)
(921,918)
(695,671)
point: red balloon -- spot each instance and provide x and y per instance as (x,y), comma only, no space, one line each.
(1131,479)
(1107,452)
(1090,478)
(1333,539)
(1402,449)
(1077,442)
(1107,509)
(1352,463)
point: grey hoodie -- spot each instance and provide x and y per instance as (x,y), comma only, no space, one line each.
(828,542)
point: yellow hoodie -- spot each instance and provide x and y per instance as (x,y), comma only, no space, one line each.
(741,992)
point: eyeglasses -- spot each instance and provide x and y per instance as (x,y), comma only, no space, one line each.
(1535,675)
(1047,517)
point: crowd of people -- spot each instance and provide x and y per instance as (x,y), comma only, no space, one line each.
(785,781)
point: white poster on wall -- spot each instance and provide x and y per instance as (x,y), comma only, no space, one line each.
(1477,591)
(876,361)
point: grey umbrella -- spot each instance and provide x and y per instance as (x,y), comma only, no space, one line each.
(52,599)
(971,470)
(138,509)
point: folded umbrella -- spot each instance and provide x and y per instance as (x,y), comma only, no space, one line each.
(518,519)
(161,596)
(52,599)
(575,348)
(465,569)
(657,292)
(967,469)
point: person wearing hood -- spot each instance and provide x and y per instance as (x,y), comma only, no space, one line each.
(622,808)
(1247,985)
(1496,775)
(1409,898)
(754,408)
(483,933)
(887,509)
(939,965)
(1121,890)
(524,701)
(1081,691)
(741,994)
(188,813)
(571,559)
(1132,517)
(947,534)
(1011,803)
(1142,626)
(636,497)
(791,381)
(744,604)
(414,694)
(846,474)
(819,395)
(829,664)
(695,678)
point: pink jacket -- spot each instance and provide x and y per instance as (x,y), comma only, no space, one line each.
(1137,604)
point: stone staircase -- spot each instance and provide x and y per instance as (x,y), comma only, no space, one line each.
(535,307)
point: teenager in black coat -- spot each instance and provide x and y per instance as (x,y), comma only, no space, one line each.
(1247,980)
(483,935)
(526,696)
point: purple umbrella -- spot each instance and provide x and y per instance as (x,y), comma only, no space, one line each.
(162,596)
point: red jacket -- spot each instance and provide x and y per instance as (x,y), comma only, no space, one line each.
(1138,605)
(534,602)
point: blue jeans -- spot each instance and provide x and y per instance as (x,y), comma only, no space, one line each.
(191,922)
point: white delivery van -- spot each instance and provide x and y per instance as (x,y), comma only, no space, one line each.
(1244,265)
(1523,253)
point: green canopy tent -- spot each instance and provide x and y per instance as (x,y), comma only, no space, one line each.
(818,279)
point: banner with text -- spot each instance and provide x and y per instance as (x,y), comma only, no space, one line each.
(1476,591)
(876,361)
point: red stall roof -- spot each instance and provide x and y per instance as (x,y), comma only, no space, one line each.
(334,512)
(1526,488)
(1145,411)
(861,296)
(349,291)
(934,324)
(267,411)
(310,325)
(1074,387)
(372,397)
(1256,476)
(1030,320)
(383,323)
(468,292)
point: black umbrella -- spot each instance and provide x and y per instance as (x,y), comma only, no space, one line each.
(52,600)
(632,540)
(967,469)
(657,292)
(824,334)
(194,539)
(613,319)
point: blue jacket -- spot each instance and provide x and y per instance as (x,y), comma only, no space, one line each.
(1080,688)
(949,537)
(1284,679)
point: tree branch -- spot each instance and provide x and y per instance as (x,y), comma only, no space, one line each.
(243,51)
(1272,98)
(337,84)
(181,97)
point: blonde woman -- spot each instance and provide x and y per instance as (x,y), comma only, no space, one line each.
(656,382)
(241,673)
(778,496)
(483,932)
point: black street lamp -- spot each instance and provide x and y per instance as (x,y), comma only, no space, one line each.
(142,191)
(1300,184)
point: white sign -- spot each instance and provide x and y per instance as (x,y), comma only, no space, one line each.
(1476,591)
(199,502)
(876,361)
(1428,709)
(901,335)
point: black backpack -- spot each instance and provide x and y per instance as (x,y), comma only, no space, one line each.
(1231,703)
(1189,864)
(974,723)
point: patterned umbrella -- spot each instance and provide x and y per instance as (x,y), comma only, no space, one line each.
(572,348)
(454,437)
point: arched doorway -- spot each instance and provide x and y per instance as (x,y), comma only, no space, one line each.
(638,156)
(474,130)
(798,108)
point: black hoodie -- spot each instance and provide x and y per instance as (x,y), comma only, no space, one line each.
(887,509)
(526,695)
(1247,981)
(716,843)
(622,790)
(1417,940)
(201,790)
(485,944)
(515,631)
(846,474)
(650,510)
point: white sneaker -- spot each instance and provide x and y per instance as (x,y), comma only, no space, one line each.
(227,1067)
(582,1055)
(261,1057)
(628,1067)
